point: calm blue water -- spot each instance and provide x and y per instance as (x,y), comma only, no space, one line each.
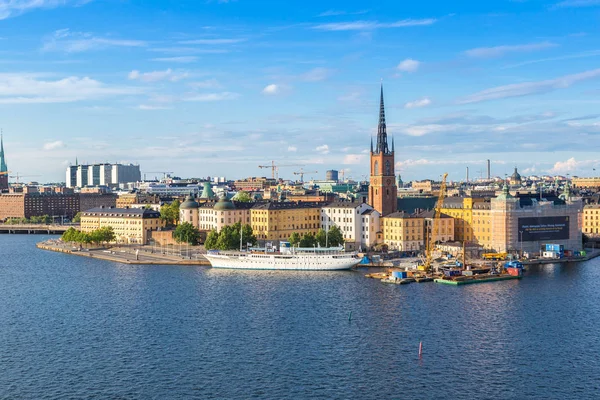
(73,328)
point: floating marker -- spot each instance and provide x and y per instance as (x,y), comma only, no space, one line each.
(350,317)
(420,349)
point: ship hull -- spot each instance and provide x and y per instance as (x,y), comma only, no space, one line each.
(296,262)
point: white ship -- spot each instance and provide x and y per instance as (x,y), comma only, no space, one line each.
(288,258)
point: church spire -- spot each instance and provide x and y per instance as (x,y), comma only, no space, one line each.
(3,167)
(382,145)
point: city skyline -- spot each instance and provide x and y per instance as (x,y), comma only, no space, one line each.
(217,88)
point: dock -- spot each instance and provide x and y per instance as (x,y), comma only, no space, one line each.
(477,279)
(124,256)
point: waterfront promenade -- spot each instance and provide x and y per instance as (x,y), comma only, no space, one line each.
(131,255)
(51,229)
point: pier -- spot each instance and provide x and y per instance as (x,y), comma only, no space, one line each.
(37,229)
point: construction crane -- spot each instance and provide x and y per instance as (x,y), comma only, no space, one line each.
(302,172)
(165,173)
(275,168)
(435,229)
(18,176)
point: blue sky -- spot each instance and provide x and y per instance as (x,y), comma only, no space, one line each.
(215,88)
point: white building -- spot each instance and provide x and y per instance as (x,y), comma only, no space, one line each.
(358,222)
(102,175)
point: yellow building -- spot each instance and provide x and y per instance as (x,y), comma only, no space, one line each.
(586,183)
(445,228)
(403,231)
(462,209)
(131,225)
(277,221)
(591,220)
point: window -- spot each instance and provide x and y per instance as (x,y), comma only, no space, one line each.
(376,168)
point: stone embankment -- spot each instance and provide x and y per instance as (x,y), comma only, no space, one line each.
(146,255)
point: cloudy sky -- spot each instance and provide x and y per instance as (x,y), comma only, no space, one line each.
(217,87)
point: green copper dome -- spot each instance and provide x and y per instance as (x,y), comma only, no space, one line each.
(207,192)
(224,204)
(189,204)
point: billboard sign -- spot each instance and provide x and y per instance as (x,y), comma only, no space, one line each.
(535,229)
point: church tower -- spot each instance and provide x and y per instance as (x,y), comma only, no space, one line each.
(3,168)
(382,189)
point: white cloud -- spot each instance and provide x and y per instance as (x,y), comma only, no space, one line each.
(408,65)
(372,25)
(205,97)
(271,89)
(27,89)
(323,149)
(180,59)
(424,102)
(316,74)
(353,159)
(292,149)
(529,88)
(498,51)
(150,107)
(421,130)
(75,42)
(213,41)
(155,76)
(350,97)
(13,8)
(54,145)
(571,165)
(576,4)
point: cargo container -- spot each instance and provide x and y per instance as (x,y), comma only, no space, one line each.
(568,253)
(399,274)
(555,247)
(452,272)
(551,254)
(515,271)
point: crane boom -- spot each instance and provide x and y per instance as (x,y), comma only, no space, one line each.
(435,224)
(275,168)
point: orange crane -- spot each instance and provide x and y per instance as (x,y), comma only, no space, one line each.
(302,172)
(275,168)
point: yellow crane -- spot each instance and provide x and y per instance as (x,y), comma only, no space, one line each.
(275,168)
(302,172)
(435,228)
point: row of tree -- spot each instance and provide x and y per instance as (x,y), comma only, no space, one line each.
(331,238)
(43,219)
(229,237)
(186,233)
(98,236)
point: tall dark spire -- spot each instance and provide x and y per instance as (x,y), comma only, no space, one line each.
(3,167)
(382,145)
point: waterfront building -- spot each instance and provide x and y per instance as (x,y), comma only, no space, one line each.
(165,190)
(348,217)
(131,225)
(461,209)
(526,223)
(403,231)
(591,220)
(216,215)
(188,211)
(277,221)
(382,188)
(445,228)
(93,200)
(3,167)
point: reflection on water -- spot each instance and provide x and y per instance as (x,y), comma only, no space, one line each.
(84,328)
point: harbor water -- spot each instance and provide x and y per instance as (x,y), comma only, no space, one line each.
(79,328)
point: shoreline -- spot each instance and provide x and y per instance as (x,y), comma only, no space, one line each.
(117,254)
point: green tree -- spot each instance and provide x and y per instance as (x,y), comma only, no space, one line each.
(186,233)
(170,213)
(295,239)
(211,240)
(69,235)
(229,237)
(308,240)
(321,238)
(77,218)
(106,234)
(248,236)
(335,237)
(243,197)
